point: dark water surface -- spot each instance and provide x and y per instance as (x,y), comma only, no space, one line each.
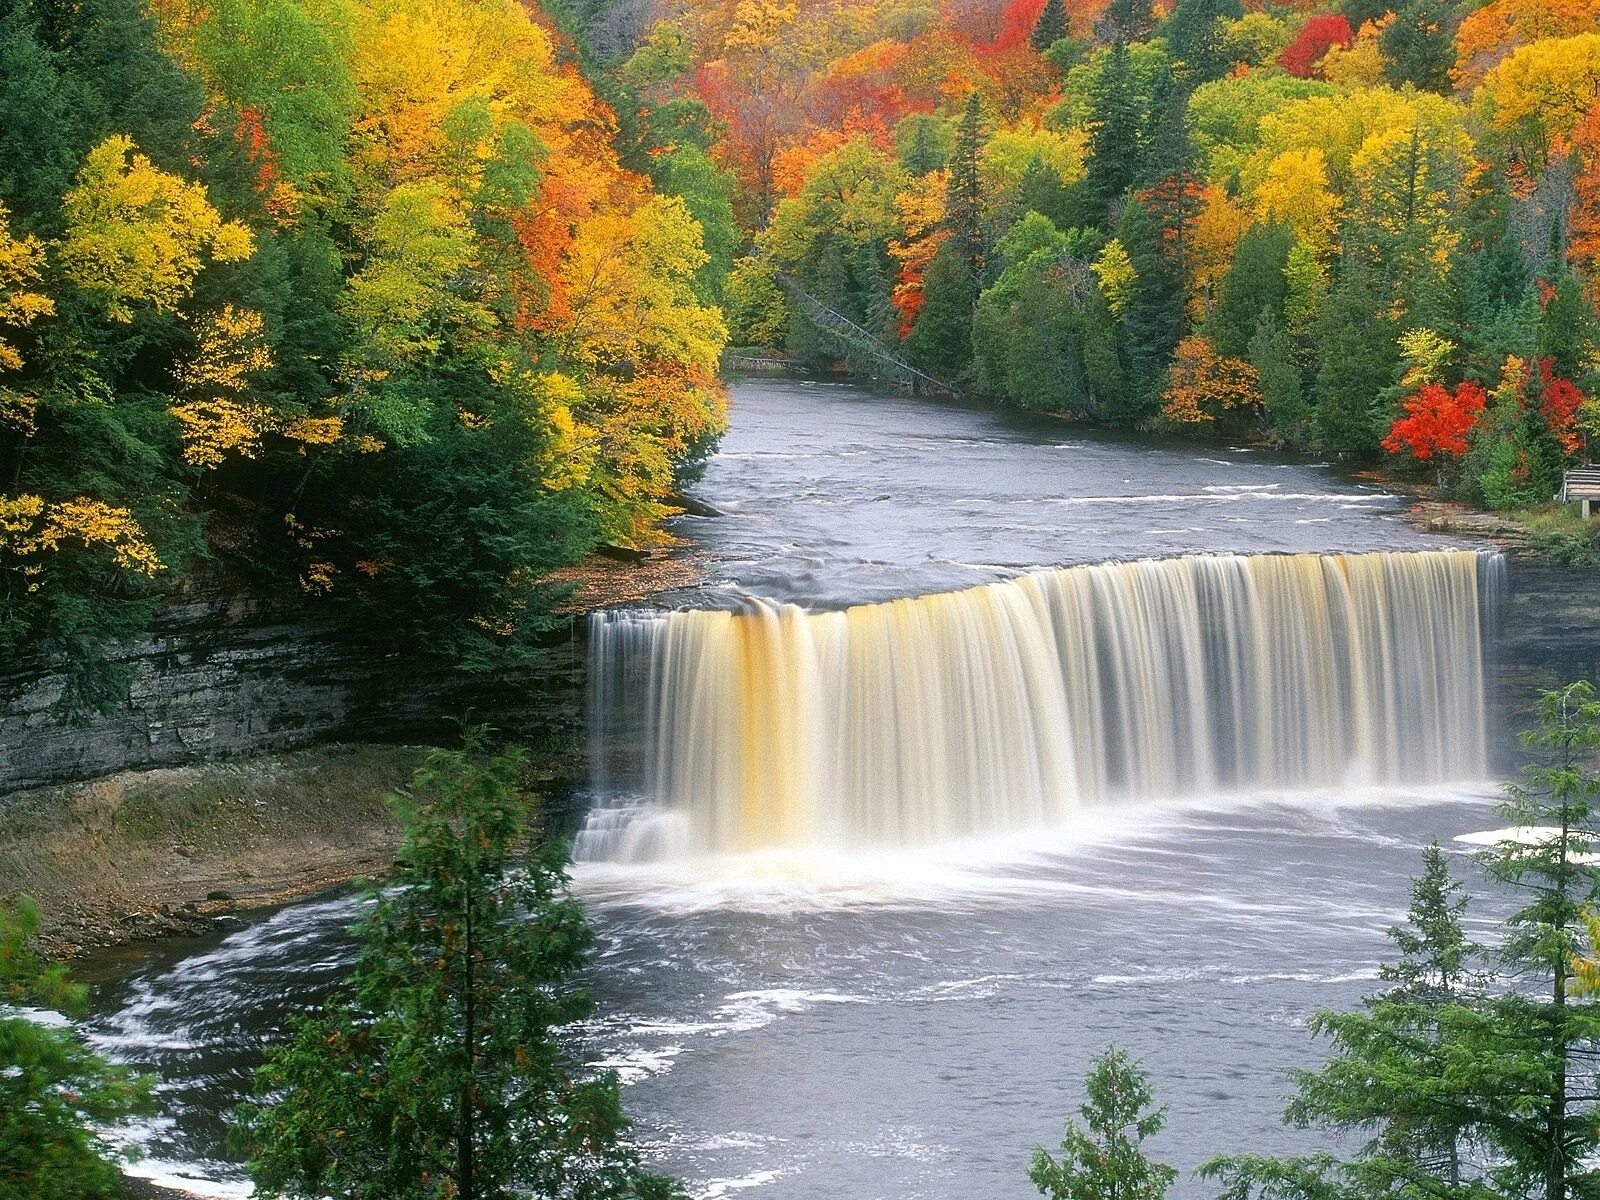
(832,495)
(911,1024)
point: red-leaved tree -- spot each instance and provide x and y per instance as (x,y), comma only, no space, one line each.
(1437,422)
(1559,400)
(1317,36)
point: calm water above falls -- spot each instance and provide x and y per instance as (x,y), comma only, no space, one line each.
(832,496)
(799,1021)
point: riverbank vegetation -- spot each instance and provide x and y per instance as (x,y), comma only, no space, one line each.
(345,300)
(56,1096)
(1363,227)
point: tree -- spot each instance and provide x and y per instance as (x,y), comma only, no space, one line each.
(1152,317)
(1115,128)
(1255,284)
(1207,388)
(1437,422)
(1470,1084)
(1282,389)
(1197,36)
(1317,36)
(1395,1071)
(1357,361)
(964,198)
(941,340)
(1127,21)
(136,234)
(436,1070)
(1418,46)
(1040,190)
(1549,1128)
(1103,1159)
(53,1091)
(1051,26)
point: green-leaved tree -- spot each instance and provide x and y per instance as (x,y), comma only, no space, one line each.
(436,1072)
(54,1092)
(1104,1158)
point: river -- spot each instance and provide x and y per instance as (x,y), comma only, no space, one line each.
(873,1019)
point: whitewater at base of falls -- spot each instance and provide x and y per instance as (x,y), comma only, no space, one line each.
(1003,708)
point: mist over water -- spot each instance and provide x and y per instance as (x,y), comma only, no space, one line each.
(873,881)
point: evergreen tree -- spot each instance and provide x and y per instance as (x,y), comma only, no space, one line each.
(1359,12)
(1568,325)
(1545,1122)
(1282,390)
(1051,26)
(1115,128)
(1104,1159)
(964,199)
(1418,45)
(922,149)
(53,1090)
(436,1071)
(1395,1071)
(1169,185)
(1127,21)
(940,342)
(1152,320)
(1040,190)
(1357,360)
(1255,285)
(1447,1061)
(1196,38)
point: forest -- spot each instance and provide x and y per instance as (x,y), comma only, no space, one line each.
(401,306)
(1366,231)
(358,302)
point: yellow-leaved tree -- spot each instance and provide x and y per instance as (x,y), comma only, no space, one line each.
(139,235)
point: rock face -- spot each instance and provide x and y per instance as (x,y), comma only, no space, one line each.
(1549,634)
(217,677)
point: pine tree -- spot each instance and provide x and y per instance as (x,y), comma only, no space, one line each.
(922,152)
(1254,285)
(1115,128)
(964,199)
(1152,320)
(1040,190)
(1126,21)
(940,342)
(1104,1159)
(1418,45)
(1051,26)
(1195,37)
(1395,1071)
(54,1093)
(1549,1137)
(1282,390)
(1449,1061)
(1358,360)
(437,1071)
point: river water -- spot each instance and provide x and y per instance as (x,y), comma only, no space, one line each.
(904,1023)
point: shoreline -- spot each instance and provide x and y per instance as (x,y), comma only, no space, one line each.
(174,851)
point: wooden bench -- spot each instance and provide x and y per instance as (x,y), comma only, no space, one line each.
(1582,485)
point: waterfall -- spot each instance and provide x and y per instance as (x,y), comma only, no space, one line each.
(1004,707)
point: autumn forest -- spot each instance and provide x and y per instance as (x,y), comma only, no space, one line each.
(401,305)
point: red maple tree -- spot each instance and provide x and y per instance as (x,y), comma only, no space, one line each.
(1317,36)
(1437,421)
